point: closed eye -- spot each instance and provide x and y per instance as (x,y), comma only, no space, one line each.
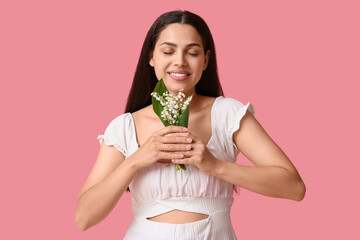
(191,54)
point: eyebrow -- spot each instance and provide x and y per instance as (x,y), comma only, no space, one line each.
(174,45)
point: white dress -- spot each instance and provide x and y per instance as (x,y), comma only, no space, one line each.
(159,188)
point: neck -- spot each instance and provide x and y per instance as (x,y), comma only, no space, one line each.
(195,103)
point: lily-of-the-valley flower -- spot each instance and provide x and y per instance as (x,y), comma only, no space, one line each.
(173,107)
(172,110)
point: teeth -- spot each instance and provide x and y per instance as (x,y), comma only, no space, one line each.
(179,74)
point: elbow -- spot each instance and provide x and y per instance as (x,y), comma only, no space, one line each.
(81,222)
(300,191)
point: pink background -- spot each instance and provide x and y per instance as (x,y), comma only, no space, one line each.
(66,68)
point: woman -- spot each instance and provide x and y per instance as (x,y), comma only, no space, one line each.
(137,152)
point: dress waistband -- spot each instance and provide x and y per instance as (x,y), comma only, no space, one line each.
(189,204)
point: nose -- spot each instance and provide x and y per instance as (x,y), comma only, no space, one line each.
(179,59)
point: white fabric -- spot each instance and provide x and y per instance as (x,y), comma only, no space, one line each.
(159,188)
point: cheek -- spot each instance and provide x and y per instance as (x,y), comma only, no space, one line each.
(158,73)
(199,68)
(160,63)
(198,63)
(160,70)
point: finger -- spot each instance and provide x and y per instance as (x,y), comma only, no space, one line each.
(182,161)
(175,147)
(180,134)
(174,139)
(171,129)
(170,155)
(188,134)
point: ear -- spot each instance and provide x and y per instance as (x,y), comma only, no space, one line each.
(151,61)
(206,62)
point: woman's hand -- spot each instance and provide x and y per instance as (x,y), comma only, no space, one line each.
(163,145)
(199,155)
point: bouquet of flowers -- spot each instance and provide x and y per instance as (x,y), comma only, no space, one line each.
(171,110)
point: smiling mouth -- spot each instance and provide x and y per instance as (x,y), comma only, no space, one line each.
(179,74)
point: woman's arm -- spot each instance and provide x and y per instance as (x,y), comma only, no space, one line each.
(109,178)
(112,173)
(273,174)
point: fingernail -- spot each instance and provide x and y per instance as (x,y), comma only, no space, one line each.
(189,140)
(188,146)
(181,155)
(185,129)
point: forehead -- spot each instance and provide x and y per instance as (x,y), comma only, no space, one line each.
(179,34)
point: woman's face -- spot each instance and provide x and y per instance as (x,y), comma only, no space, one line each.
(178,58)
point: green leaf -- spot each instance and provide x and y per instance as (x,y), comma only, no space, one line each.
(160,88)
(184,117)
(180,166)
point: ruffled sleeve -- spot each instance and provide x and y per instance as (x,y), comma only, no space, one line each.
(116,133)
(229,118)
(236,113)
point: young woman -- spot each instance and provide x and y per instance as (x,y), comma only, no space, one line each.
(138,153)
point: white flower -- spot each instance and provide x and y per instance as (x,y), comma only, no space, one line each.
(173,106)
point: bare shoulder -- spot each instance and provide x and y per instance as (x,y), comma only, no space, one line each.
(206,102)
(145,114)
(146,122)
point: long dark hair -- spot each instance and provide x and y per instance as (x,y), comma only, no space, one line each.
(145,79)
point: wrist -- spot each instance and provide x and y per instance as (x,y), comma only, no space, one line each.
(219,168)
(130,164)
